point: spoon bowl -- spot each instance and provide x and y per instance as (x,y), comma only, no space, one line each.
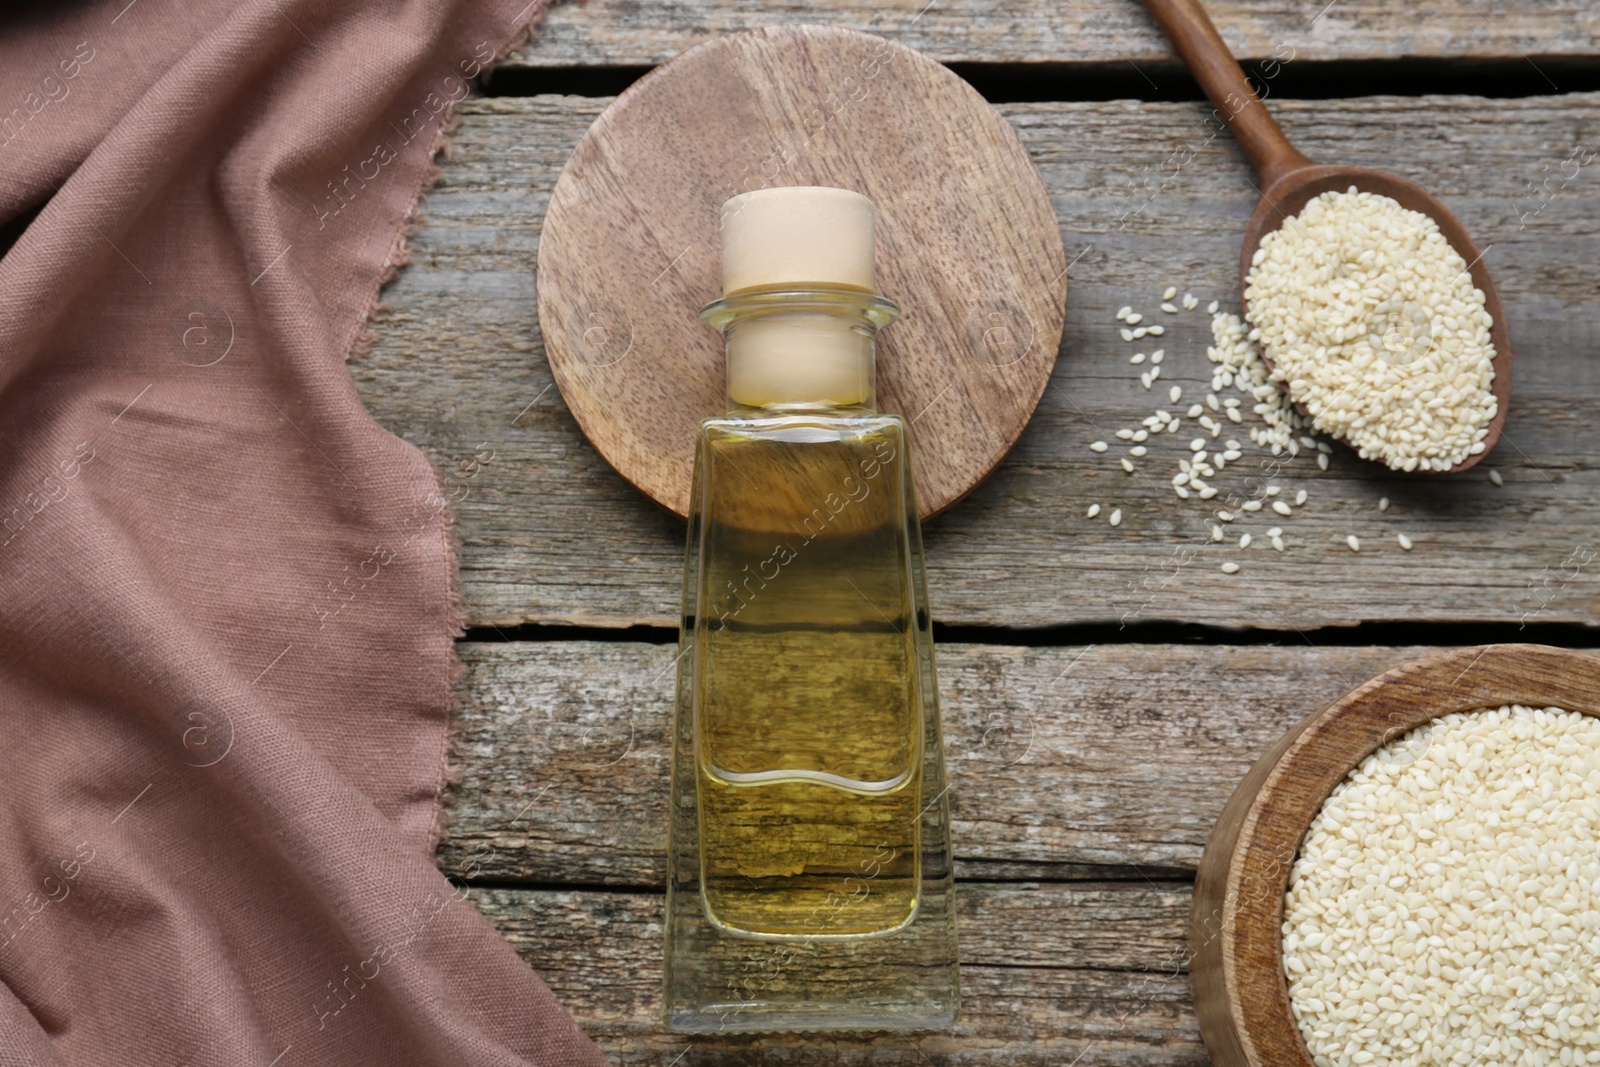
(1289,181)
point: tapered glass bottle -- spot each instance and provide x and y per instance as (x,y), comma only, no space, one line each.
(809,883)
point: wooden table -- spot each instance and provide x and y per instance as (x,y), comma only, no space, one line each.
(1104,689)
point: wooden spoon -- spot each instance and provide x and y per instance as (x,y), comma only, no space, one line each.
(1289,180)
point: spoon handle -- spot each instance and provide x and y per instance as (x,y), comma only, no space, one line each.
(1190,30)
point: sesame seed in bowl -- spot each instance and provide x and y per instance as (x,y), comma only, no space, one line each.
(1412,873)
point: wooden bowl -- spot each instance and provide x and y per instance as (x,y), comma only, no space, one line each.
(1236,939)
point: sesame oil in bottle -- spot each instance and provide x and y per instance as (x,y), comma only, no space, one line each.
(809,883)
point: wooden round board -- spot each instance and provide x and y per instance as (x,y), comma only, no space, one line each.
(968,246)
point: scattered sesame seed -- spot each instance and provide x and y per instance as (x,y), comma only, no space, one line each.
(1208,492)
(1125,312)
(1195,409)
(1274,490)
(1175,393)
(1354,542)
(1157,356)
(1156,331)
(1133,318)
(1216,532)
(1137,450)
(1116,516)
(1139,331)
(1244,540)
(1281,508)
(1197,444)
(1140,436)
(1250,505)
(1127,465)
(1144,379)
(1230,567)
(1155,372)
(1405,542)
(1094,509)
(1170,309)
(1211,308)
(1190,301)
(1181,491)
(1127,334)
(1172,291)
(1322,460)
(1277,543)
(1136,359)
(1124,434)
(1383,503)
(1300,497)
(1494,476)
(1276,531)
(1099,446)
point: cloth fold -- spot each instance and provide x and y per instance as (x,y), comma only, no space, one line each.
(226,603)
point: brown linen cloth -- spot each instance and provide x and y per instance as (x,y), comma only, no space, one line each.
(226,592)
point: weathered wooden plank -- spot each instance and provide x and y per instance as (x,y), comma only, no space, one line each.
(1114,755)
(1146,198)
(626,32)
(1051,974)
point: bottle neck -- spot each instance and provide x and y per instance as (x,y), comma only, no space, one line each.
(801,350)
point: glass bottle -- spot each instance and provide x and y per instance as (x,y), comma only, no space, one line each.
(809,882)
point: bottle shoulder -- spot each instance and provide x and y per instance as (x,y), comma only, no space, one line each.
(803,427)
(772,474)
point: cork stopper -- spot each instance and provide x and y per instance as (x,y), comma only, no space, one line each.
(795,237)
